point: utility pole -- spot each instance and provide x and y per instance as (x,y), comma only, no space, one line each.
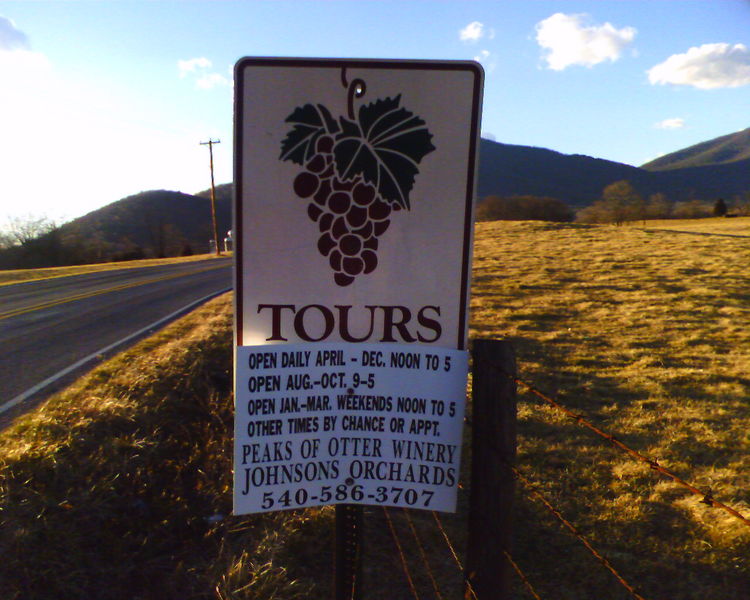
(210,143)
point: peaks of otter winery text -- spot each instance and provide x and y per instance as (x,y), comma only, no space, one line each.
(328,423)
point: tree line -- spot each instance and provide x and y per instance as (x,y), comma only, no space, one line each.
(32,242)
(524,208)
(620,203)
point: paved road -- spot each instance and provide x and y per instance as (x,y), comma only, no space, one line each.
(46,326)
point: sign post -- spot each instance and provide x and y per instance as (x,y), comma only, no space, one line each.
(354,183)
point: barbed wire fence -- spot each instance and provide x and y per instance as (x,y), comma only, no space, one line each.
(494,388)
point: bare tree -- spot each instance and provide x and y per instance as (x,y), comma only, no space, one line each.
(21,230)
(6,241)
(623,202)
(742,203)
(659,206)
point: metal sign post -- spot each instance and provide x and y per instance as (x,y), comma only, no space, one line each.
(348,552)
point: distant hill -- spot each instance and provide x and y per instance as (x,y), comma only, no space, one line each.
(223,193)
(149,224)
(509,170)
(721,150)
(167,223)
(160,222)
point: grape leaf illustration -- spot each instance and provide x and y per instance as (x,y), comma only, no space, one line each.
(357,173)
(384,146)
(310,122)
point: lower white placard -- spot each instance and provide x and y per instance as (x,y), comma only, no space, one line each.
(321,423)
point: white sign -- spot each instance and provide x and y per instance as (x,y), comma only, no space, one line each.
(348,423)
(354,200)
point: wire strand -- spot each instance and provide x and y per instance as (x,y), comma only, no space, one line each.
(521,575)
(423,554)
(455,556)
(707,496)
(401,555)
(536,494)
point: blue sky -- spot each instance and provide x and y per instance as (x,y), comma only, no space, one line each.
(103,99)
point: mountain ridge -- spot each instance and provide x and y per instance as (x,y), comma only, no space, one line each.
(168,223)
(156,222)
(510,170)
(724,149)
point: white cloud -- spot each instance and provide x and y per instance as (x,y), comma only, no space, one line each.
(674,123)
(569,40)
(11,38)
(487,59)
(19,65)
(705,67)
(474,32)
(211,80)
(198,68)
(192,65)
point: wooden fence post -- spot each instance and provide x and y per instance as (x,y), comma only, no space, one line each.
(488,573)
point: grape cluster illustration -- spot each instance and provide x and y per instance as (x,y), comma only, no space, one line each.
(358,172)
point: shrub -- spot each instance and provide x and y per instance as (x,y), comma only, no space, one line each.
(524,208)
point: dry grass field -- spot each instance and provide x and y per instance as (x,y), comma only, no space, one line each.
(646,333)
(120,486)
(718,225)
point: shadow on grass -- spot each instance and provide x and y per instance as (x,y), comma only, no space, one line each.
(657,546)
(560,567)
(133,501)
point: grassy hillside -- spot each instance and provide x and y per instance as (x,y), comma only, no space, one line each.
(724,149)
(120,486)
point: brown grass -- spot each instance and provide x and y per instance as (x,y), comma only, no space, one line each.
(120,486)
(646,333)
(719,225)
(20,275)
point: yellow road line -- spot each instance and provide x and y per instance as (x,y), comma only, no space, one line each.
(103,268)
(51,303)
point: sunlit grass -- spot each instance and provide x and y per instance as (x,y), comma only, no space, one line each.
(723,225)
(647,333)
(121,485)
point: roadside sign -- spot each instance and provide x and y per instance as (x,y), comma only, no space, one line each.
(353,217)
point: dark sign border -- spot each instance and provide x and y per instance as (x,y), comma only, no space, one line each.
(335,63)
